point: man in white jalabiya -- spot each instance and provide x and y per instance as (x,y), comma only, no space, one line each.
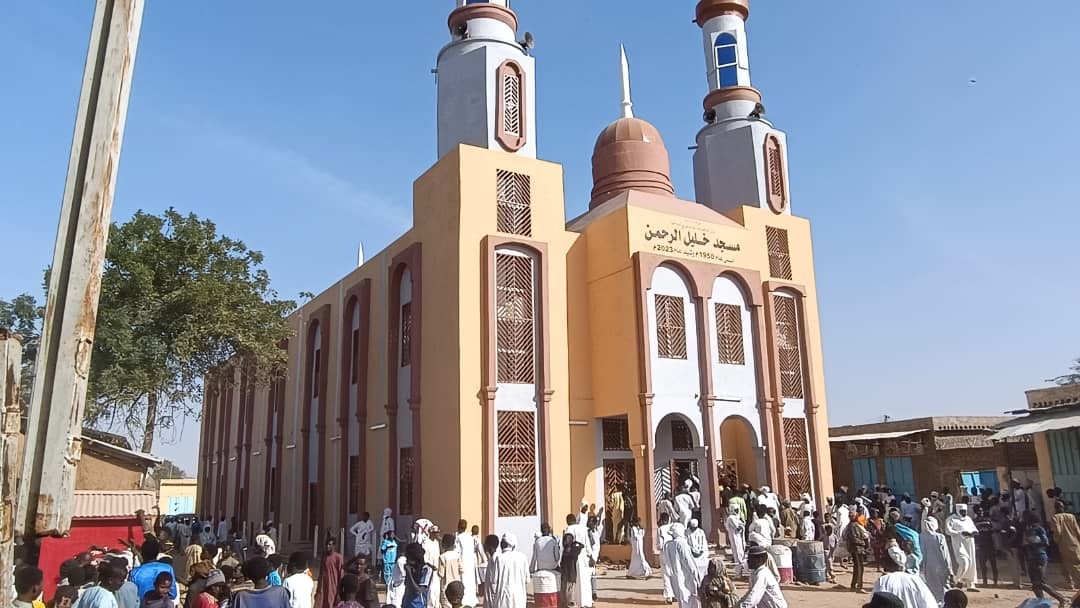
(685,504)
(663,534)
(764,591)
(583,590)
(667,505)
(547,551)
(735,526)
(680,569)
(362,532)
(639,566)
(910,588)
(507,580)
(466,548)
(936,564)
(962,532)
(699,546)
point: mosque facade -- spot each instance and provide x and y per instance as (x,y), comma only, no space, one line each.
(501,363)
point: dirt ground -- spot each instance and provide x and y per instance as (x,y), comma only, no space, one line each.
(616,590)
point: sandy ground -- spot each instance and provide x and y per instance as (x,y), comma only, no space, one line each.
(616,590)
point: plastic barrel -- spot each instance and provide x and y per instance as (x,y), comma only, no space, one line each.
(810,562)
(782,556)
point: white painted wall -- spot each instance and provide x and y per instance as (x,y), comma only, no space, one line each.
(734,385)
(729,163)
(731,24)
(522,397)
(676,383)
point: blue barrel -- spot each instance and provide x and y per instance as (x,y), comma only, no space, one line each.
(810,562)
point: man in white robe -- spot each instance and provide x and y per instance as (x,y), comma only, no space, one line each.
(222,531)
(546,554)
(734,525)
(680,569)
(663,534)
(667,505)
(910,588)
(639,566)
(684,503)
(962,531)
(362,532)
(466,548)
(699,547)
(584,591)
(764,591)
(507,576)
(936,565)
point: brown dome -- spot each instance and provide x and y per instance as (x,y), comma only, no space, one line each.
(630,155)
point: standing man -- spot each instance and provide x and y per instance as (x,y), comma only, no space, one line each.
(663,534)
(507,576)
(764,591)
(857,541)
(544,568)
(985,551)
(329,576)
(699,547)
(103,595)
(680,569)
(962,531)
(1067,535)
(362,532)
(29,582)
(684,503)
(466,548)
(223,532)
(736,528)
(667,505)
(583,569)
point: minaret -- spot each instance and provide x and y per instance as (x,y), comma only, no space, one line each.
(486,91)
(741,159)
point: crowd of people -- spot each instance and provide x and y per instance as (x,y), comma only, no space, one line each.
(931,552)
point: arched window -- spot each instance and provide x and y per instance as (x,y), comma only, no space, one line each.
(727,60)
(510,106)
(775,174)
(515,318)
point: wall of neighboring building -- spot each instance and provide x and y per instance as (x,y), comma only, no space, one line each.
(177,492)
(96,473)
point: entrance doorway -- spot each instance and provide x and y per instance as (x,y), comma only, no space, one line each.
(620,496)
(679,457)
(741,452)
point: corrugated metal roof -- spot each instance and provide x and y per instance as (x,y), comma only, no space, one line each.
(869,436)
(1038,423)
(112,503)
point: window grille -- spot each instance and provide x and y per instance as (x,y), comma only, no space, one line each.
(774,174)
(517,463)
(670,327)
(406,475)
(682,439)
(510,106)
(514,313)
(406,334)
(616,434)
(316,365)
(729,334)
(779,255)
(788,347)
(513,200)
(798,456)
(354,356)
(354,484)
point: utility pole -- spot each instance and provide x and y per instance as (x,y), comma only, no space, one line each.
(10,376)
(54,433)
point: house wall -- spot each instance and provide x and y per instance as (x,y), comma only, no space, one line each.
(96,473)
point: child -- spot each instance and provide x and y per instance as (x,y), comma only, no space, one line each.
(955,598)
(349,592)
(454,593)
(829,543)
(717,590)
(158,597)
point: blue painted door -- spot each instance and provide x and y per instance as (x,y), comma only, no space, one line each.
(865,472)
(899,476)
(989,479)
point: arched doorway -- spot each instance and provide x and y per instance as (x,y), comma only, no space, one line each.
(680,457)
(741,453)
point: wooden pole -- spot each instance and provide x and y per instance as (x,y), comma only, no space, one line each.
(10,373)
(54,433)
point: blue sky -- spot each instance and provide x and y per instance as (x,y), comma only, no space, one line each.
(945,212)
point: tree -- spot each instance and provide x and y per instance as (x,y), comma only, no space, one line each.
(178,301)
(23,315)
(1073,377)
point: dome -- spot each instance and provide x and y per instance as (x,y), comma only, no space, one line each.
(630,155)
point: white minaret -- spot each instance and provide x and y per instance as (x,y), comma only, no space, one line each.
(741,159)
(486,90)
(624,77)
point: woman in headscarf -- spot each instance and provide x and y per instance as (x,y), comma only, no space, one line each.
(936,566)
(734,525)
(639,566)
(387,523)
(717,590)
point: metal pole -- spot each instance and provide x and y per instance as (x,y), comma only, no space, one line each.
(10,374)
(54,434)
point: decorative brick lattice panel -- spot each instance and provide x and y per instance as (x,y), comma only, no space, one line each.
(515,335)
(354,484)
(779,255)
(774,169)
(682,440)
(670,327)
(517,463)
(616,434)
(406,475)
(729,334)
(788,347)
(798,456)
(513,200)
(511,90)
(406,334)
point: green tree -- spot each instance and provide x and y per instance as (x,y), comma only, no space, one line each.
(23,315)
(178,301)
(1073,377)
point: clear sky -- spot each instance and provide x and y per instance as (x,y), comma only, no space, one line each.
(945,211)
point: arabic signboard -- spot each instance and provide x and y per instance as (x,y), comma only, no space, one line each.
(690,239)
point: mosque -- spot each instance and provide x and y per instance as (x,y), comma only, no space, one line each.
(500,363)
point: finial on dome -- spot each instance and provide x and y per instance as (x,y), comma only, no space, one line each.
(624,72)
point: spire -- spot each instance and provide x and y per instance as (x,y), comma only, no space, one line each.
(624,72)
